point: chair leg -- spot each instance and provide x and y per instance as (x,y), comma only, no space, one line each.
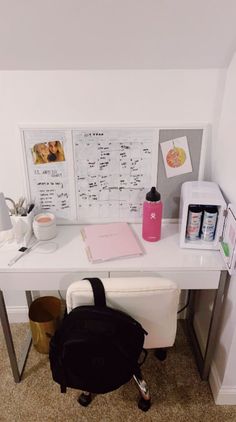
(145,400)
(161,353)
(85,398)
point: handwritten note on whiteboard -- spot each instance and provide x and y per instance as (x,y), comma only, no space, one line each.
(114,168)
(47,157)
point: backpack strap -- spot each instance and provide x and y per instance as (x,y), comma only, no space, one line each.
(98,291)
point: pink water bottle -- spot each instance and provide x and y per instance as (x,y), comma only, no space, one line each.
(152,215)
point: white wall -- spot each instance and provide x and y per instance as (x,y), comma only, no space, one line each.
(223,377)
(143,97)
(98,96)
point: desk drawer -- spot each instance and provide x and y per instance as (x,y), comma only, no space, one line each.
(186,280)
(44,280)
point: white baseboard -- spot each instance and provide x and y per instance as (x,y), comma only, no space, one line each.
(17,314)
(222,395)
(20,313)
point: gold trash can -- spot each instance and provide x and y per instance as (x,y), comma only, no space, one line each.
(44,317)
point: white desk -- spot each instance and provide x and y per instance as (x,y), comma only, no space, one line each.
(191,269)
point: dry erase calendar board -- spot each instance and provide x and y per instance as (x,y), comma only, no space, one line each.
(102,174)
(92,174)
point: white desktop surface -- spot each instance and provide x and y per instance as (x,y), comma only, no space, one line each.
(163,258)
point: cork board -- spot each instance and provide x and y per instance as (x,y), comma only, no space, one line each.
(170,188)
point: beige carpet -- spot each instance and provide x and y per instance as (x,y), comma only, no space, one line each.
(178,394)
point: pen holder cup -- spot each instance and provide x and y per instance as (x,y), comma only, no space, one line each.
(22,228)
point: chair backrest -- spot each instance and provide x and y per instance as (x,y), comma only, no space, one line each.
(152,301)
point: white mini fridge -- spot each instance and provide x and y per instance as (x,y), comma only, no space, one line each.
(199,229)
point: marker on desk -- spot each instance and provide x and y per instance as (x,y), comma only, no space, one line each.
(23,251)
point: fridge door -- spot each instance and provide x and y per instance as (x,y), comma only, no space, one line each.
(228,240)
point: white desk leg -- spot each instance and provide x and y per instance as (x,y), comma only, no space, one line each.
(17,367)
(204,362)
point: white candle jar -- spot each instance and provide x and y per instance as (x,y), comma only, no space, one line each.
(44,226)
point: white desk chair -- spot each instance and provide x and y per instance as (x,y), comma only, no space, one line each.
(152,301)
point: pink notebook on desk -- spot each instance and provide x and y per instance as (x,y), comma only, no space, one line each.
(110,241)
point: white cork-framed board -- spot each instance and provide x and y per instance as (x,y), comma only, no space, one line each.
(101,173)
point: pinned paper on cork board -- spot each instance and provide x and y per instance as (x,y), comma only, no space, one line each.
(176,157)
(183,160)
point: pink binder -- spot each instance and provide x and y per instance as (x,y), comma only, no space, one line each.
(109,241)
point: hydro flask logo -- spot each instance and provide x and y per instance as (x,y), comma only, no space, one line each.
(153,216)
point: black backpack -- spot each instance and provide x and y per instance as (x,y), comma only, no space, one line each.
(96,348)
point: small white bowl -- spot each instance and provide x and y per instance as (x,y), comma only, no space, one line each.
(44,226)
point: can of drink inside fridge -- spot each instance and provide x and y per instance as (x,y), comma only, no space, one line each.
(209,221)
(194,222)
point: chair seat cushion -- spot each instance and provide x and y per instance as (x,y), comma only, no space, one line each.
(153,301)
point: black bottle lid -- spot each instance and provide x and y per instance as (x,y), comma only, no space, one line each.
(153,195)
(212,209)
(195,208)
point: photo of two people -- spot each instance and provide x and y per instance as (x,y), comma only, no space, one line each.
(48,152)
